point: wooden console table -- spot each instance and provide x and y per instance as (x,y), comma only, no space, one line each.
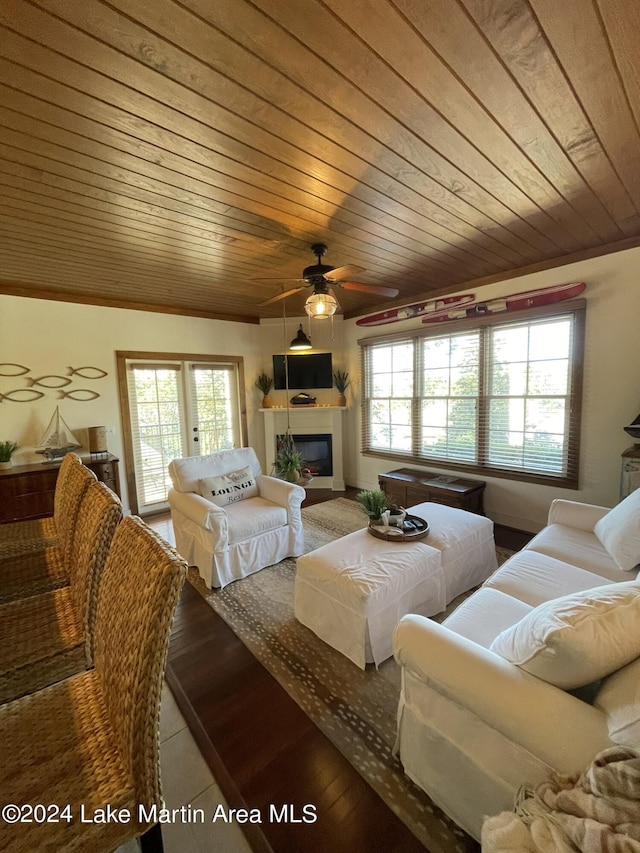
(26,491)
(407,487)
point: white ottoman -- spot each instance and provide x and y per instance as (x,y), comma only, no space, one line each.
(353,591)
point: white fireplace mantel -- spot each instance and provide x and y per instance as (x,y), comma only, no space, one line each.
(308,420)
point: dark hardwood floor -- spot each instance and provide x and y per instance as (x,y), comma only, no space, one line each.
(263,749)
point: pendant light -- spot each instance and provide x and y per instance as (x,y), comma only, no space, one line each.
(301,341)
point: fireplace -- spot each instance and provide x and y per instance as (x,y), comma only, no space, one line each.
(308,425)
(316,450)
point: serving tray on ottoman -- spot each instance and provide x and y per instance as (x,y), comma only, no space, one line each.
(353,591)
(412,528)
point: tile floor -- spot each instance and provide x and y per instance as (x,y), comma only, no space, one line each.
(187,780)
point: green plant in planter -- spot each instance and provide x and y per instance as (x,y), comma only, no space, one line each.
(7,449)
(374,502)
(341,380)
(289,463)
(264,383)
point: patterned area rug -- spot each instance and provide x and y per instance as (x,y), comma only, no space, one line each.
(355,709)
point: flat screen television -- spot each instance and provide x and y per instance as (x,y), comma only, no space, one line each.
(311,370)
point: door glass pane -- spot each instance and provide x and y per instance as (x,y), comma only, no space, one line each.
(157,429)
(214,400)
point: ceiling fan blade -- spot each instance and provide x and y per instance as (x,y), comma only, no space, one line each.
(282,295)
(369,288)
(344,272)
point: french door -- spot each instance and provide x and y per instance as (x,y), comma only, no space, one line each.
(177,407)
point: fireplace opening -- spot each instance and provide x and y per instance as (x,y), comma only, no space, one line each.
(316,450)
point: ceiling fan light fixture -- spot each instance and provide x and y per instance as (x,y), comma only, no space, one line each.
(301,341)
(321,306)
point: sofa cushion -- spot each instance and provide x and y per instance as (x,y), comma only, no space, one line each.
(486,613)
(253,517)
(536,578)
(619,532)
(229,488)
(579,638)
(578,547)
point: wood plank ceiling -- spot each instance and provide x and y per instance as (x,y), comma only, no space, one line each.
(167,154)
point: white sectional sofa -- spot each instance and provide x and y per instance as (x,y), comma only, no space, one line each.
(537,671)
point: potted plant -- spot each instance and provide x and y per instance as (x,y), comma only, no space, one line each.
(341,379)
(289,464)
(7,449)
(265,384)
(374,502)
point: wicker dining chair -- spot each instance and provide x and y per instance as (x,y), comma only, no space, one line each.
(92,741)
(48,637)
(23,537)
(36,572)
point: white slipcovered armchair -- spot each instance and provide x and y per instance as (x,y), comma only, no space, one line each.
(258,525)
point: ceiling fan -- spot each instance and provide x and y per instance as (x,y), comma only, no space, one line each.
(322,302)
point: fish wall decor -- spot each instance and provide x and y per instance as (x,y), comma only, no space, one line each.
(51,380)
(21,395)
(80,395)
(87,372)
(21,369)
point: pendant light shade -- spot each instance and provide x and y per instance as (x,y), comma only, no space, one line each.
(301,341)
(321,306)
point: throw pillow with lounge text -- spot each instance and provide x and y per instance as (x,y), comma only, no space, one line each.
(229,488)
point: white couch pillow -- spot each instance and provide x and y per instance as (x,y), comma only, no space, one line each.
(579,638)
(619,532)
(229,488)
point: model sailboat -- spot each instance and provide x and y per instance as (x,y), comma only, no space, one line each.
(634,428)
(57,439)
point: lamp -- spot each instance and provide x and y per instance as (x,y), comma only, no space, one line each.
(301,341)
(97,439)
(321,306)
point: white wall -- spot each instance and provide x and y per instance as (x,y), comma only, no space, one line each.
(48,337)
(611,398)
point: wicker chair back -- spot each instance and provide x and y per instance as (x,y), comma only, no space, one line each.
(137,595)
(76,483)
(99,514)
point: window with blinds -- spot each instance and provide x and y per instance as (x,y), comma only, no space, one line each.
(500,398)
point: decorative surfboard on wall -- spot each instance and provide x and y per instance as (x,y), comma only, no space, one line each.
(515,302)
(416,309)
